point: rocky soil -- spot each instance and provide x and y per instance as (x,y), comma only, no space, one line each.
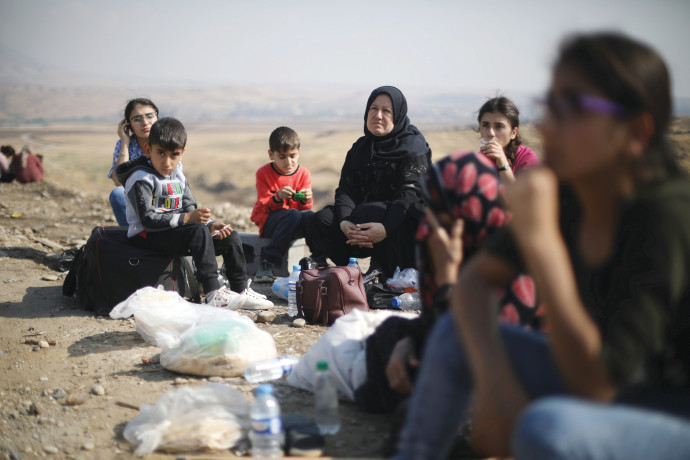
(69,381)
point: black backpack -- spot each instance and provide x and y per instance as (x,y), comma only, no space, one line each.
(108,269)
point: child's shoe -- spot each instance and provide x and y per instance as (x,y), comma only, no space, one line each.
(252,300)
(224,298)
(264,272)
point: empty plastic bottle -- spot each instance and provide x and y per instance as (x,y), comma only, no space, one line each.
(407,301)
(292,294)
(266,434)
(325,400)
(353,262)
(269,369)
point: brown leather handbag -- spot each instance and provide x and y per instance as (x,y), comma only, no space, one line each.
(325,294)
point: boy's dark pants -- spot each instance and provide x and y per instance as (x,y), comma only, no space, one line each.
(195,240)
(283,227)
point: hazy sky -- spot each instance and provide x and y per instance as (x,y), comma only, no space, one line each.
(459,46)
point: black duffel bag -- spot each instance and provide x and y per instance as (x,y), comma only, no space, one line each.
(108,269)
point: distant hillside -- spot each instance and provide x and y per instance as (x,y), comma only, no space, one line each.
(32,92)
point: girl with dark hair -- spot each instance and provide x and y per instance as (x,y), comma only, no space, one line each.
(133,130)
(604,229)
(378,201)
(499,122)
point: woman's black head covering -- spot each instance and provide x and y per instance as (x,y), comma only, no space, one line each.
(404,140)
(399,111)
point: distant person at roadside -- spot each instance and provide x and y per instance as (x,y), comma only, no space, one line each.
(6,173)
(27,166)
(133,131)
(378,202)
(283,200)
(163,217)
(499,121)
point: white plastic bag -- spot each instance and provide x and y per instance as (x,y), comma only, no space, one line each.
(281,287)
(196,339)
(162,316)
(213,416)
(408,278)
(221,348)
(343,346)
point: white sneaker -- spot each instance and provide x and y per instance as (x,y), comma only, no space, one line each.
(253,300)
(225,298)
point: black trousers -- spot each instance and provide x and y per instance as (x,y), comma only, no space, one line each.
(396,250)
(195,240)
(283,227)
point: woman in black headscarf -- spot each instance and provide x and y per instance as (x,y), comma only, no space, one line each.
(378,202)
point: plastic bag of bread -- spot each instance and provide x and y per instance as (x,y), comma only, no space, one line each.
(211,417)
(163,316)
(220,348)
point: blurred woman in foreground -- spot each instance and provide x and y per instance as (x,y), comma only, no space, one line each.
(606,233)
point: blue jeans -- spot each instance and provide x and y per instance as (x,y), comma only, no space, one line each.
(444,385)
(558,428)
(119,205)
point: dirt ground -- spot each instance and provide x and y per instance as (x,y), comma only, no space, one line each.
(89,355)
(98,362)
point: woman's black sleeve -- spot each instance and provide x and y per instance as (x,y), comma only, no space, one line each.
(347,193)
(409,195)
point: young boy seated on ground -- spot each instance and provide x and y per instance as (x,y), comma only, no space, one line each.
(284,200)
(162,216)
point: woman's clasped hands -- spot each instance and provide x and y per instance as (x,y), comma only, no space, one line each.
(363,235)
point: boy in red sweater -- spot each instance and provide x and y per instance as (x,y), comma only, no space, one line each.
(284,200)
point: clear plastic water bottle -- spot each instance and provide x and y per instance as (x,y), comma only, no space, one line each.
(325,400)
(269,369)
(407,301)
(266,434)
(353,262)
(292,295)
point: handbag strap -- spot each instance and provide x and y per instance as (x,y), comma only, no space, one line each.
(322,292)
(299,293)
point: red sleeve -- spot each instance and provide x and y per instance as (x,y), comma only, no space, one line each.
(264,198)
(525,159)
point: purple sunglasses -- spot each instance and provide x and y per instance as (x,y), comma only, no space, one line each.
(571,104)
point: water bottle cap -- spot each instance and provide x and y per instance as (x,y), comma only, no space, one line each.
(265,389)
(296,268)
(396,302)
(353,259)
(322,366)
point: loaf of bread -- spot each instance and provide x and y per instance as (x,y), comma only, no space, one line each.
(220,349)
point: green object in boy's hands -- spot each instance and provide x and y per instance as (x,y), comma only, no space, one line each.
(299,196)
